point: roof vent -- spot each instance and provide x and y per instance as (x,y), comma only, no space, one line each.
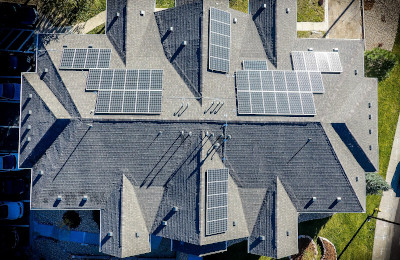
(369,105)
(370,131)
(59,197)
(207,133)
(190,133)
(110,234)
(287,233)
(287,10)
(40,172)
(356,178)
(85,198)
(29,112)
(46,70)
(262,238)
(65,46)
(310,49)
(370,147)
(234,223)
(30,96)
(29,127)
(216,146)
(369,117)
(314,199)
(235,20)
(137,234)
(28,139)
(90,46)
(229,137)
(142,13)
(171,29)
(263,6)
(355,72)
(117,14)
(175,209)
(335,49)
(338,199)
(164,223)
(182,132)
(184,43)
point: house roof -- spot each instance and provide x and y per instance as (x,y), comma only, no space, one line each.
(136,168)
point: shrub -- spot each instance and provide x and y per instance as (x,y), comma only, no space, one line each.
(379,62)
(71,219)
(375,183)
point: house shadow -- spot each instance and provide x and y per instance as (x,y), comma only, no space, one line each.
(395,180)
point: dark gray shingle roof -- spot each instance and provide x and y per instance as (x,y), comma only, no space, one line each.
(116,26)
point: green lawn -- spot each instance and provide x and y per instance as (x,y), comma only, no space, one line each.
(70,12)
(309,11)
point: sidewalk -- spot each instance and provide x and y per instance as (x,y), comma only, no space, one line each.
(387,236)
(84,28)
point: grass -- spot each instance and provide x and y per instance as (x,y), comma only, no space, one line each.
(70,12)
(341,227)
(99,29)
(165,3)
(309,34)
(309,11)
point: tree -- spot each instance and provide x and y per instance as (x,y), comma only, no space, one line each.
(375,183)
(379,62)
(71,219)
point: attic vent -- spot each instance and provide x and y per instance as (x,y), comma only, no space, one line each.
(164,223)
(117,14)
(29,112)
(30,96)
(110,234)
(175,209)
(314,199)
(338,199)
(287,10)
(171,29)
(310,49)
(235,20)
(263,6)
(85,198)
(142,13)
(28,139)
(40,172)
(29,127)
(335,49)
(59,197)
(184,43)
(261,238)
(46,70)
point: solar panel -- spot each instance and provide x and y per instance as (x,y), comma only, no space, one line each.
(277,92)
(126,91)
(255,65)
(219,40)
(316,61)
(217,201)
(85,58)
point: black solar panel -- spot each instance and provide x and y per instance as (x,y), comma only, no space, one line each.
(82,59)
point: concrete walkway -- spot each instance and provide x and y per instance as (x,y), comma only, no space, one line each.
(387,236)
(316,26)
(90,24)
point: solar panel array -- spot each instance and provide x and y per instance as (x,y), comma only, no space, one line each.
(255,65)
(85,58)
(217,201)
(126,91)
(277,92)
(316,61)
(220,40)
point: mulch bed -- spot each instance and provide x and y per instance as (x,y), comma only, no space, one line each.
(328,249)
(307,249)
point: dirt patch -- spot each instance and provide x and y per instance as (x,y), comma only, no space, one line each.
(307,249)
(328,249)
(368,4)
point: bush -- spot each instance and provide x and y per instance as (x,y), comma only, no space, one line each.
(375,183)
(379,62)
(71,219)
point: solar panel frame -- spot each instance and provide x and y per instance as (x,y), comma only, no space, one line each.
(216,201)
(325,62)
(255,65)
(219,40)
(119,87)
(279,94)
(85,58)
